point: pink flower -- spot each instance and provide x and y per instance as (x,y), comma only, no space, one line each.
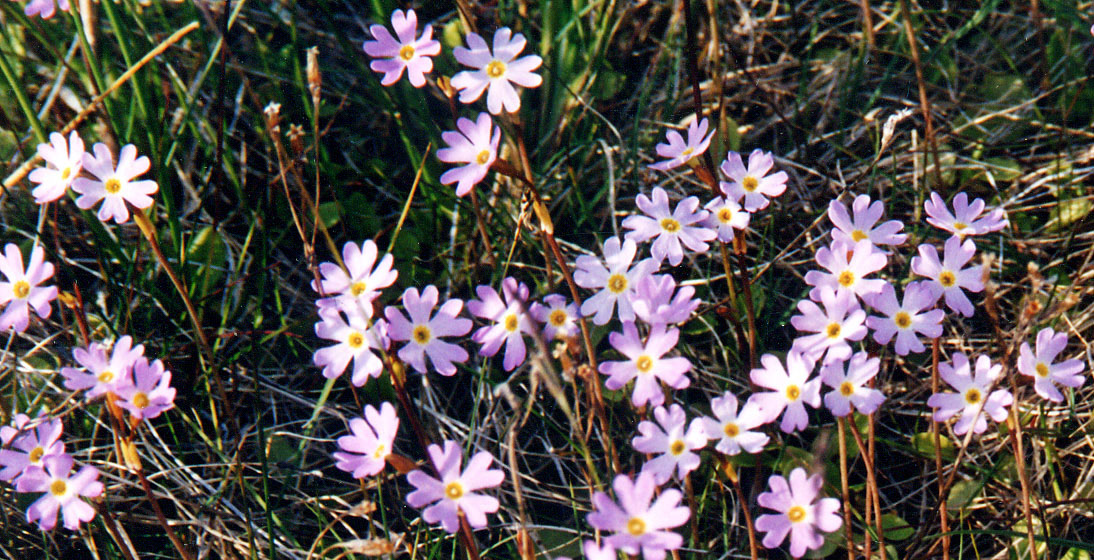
(617,280)
(905,320)
(454,492)
(673,444)
(851,230)
(972,395)
(638,525)
(356,341)
(800,513)
(594,552)
(495,71)
(732,428)
(30,446)
(840,321)
(849,379)
(724,216)
(20,291)
(965,219)
(151,393)
(352,290)
(62,492)
(669,228)
(8,433)
(423,333)
(947,276)
(114,186)
(679,153)
(104,374)
(1046,374)
(751,183)
(510,321)
(791,390)
(44,8)
(655,303)
(406,52)
(474,145)
(645,364)
(558,317)
(65,161)
(847,267)
(365,452)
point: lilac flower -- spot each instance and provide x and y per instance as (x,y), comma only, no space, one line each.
(510,321)
(905,320)
(1046,374)
(114,186)
(21,290)
(679,153)
(751,183)
(851,230)
(653,300)
(840,321)
(671,442)
(849,379)
(725,215)
(405,52)
(791,390)
(947,276)
(732,428)
(847,267)
(495,71)
(617,280)
(670,228)
(150,393)
(964,219)
(800,513)
(454,492)
(558,317)
(637,524)
(594,552)
(62,492)
(353,289)
(65,161)
(365,452)
(356,340)
(645,364)
(423,333)
(8,433)
(473,145)
(972,395)
(44,8)
(30,448)
(105,374)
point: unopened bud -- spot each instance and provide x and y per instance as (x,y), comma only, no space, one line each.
(315,79)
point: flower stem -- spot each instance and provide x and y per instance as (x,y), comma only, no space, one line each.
(841,422)
(753,550)
(936,350)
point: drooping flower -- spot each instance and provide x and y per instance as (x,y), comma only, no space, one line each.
(495,70)
(669,228)
(752,183)
(906,320)
(637,524)
(30,447)
(801,514)
(353,289)
(365,452)
(558,317)
(423,332)
(791,390)
(510,322)
(646,364)
(356,340)
(44,8)
(725,215)
(847,267)
(404,51)
(62,491)
(972,399)
(65,161)
(1046,374)
(20,291)
(965,219)
(671,442)
(474,145)
(863,225)
(150,393)
(732,428)
(114,186)
(840,321)
(455,491)
(617,280)
(849,381)
(947,277)
(678,152)
(105,374)
(657,301)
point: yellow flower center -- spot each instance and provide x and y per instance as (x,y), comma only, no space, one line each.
(725,215)
(858,235)
(670,225)
(140,400)
(677,447)
(960,226)
(793,392)
(833,330)
(636,527)
(557,318)
(511,322)
(58,488)
(105,376)
(380,452)
(21,289)
(644,363)
(846,389)
(483,157)
(731,430)
(358,288)
(687,152)
(617,283)
(973,396)
(36,454)
(355,340)
(495,69)
(453,490)
(750,183)
(902,319)
(1041,369)
(947,279)
(112,186)
(796,514)
(407,52)
(846,278)
(422,334)
(66,173)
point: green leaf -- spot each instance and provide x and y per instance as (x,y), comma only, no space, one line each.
(923,442)
(330,213)
(896,528)
(962,494)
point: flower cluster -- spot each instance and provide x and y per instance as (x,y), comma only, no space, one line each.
(122,372)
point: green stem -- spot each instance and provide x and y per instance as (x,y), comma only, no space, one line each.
(21,98)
